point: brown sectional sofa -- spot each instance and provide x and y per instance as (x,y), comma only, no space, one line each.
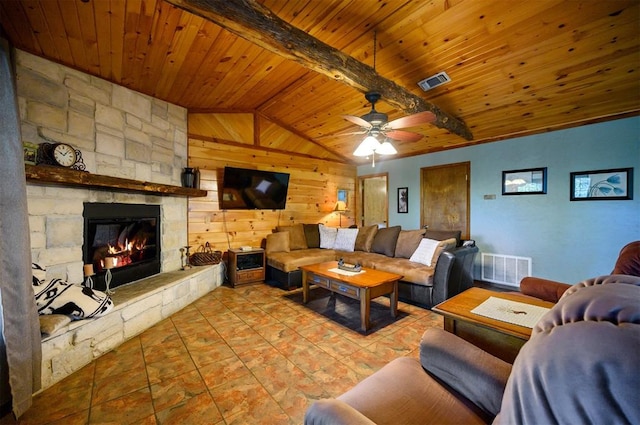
(391,250)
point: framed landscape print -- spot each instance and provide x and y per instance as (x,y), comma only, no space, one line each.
(531,181)
(602,185)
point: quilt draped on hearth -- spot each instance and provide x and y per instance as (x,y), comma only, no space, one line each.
(20,346)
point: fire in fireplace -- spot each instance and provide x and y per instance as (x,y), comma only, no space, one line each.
(124,238)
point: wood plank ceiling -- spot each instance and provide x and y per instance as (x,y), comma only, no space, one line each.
(517,67)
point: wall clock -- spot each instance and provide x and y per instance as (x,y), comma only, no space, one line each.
(60,155)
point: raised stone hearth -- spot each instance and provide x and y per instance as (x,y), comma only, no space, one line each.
(137,307)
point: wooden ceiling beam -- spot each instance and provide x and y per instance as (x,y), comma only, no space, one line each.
(257,24)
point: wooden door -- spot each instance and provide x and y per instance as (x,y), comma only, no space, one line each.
(374,200)
(445,197)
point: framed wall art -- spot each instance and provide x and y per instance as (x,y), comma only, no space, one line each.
(530,181)
(403,200)
(602,185)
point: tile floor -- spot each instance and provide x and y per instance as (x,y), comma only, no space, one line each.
(250,355)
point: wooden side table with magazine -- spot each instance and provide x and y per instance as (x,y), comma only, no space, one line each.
(470,316)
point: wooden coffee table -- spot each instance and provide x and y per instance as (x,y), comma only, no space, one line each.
(362,286)
(496,337)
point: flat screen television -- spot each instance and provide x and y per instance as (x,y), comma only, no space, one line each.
(246,189)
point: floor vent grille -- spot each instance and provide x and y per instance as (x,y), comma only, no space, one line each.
(505,269)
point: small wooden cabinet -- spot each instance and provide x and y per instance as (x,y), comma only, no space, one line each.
(246,266)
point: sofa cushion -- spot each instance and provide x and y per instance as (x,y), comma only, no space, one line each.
(408,241)
(429,250)
(290,261)
(346,239)
(312,235)
(327,236)
(440,235)
(297,239)
(385,241)
(278,242)
(412,272)
(365,237)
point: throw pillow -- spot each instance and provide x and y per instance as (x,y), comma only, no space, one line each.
(441,235)
(365,237)
(429,250)
(327,236)
(297,239)
(277,242)
(79,302)
(385,241)
(52,323)
(346,239)
(408,241)
(312,235)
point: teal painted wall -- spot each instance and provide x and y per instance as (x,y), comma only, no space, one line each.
(567,241)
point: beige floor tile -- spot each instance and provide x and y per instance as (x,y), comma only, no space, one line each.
(177,390)
(199,409)
(128,409)
(119,384)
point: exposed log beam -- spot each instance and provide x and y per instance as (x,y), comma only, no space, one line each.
(257,24)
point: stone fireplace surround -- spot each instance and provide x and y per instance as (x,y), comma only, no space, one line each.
(120,133)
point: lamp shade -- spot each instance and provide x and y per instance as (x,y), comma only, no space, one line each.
(340,206)
(386,148)
(368,146)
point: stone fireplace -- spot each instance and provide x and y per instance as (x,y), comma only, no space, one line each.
(122,134)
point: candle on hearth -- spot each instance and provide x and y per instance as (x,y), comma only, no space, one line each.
(110,262)
(88,270)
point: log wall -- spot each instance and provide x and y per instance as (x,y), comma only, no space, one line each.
(311,197)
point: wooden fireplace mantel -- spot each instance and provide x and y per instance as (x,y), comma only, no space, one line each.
(66,177)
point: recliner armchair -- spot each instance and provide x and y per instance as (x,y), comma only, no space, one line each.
(628,263)
(578,367)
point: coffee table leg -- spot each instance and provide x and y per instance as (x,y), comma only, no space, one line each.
(393,298)
(305,287)
(365,305)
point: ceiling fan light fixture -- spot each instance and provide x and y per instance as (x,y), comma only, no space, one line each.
(386,148)
(367,147)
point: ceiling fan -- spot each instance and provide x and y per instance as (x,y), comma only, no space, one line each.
(380,130)
(378,122)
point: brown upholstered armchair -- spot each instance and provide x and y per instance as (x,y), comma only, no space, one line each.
(628,263)
(580,366)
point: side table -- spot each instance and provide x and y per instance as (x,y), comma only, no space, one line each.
(246,266)
(496,337)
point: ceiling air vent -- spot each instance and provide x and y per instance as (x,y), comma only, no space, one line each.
(434,81)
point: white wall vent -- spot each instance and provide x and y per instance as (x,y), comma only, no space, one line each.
(434,81)
(505,269)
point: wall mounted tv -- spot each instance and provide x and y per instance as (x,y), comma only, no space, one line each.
(245,189)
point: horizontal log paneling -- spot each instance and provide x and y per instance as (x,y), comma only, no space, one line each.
(311,198)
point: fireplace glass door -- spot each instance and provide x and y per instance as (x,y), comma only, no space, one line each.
(124,238)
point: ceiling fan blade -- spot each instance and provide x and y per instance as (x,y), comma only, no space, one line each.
(357,121)
(413,120)
(404,136)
